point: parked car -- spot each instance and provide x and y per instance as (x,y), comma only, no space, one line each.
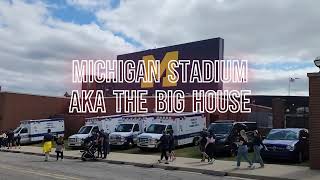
(227,134)
(289,144)
(33,130)
(94,124)
(186,129)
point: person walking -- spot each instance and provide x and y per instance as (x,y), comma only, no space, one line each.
(243,149)
(18,141)
(99,145)
(257,146)
(10,139)
(5,139)
(59,147)
(202,144)
(1,139)
(47,144)
(209,148)
(105,143)
(172,155)
(164,146)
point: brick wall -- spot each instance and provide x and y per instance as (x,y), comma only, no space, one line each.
(15,107)
(314,119)
(278,110)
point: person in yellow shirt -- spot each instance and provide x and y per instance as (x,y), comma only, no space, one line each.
(47,144)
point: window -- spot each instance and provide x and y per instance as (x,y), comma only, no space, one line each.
(124,128)
(85,130)
(156,128)
(282,135)
(24,130)
(136,128)
(95,129)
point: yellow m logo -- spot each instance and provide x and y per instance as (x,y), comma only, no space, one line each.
(169,56)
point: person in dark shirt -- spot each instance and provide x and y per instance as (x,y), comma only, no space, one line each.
(105,143)
(10,139)
(99,142)
(257,146)
(172,155)
(164,146)
(47,144)
(243,149)
(202,144)
(1,139)
(18,141)
(210,148)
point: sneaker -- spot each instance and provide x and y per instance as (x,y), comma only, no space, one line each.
(159,161)
(166,162)
(251,166)
(202,160)
(262,166)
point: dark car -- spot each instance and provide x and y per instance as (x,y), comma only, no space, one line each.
(227,134)
(289,144)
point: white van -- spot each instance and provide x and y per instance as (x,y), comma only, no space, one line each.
(126,133)
(186,129)
(33,130)
(107,123)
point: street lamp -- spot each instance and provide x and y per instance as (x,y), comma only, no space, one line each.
(317,61)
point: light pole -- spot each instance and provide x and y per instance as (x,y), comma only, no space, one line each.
(291,80)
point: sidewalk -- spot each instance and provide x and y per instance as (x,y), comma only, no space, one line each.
(219,168)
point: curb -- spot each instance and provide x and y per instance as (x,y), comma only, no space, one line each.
(172,168)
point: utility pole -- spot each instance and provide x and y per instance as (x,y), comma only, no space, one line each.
(291,80)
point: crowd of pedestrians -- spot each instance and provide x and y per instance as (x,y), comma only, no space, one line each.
(8,140)
(100,140)
(207,148)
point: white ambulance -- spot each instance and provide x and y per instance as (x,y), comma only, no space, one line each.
(33,130)
(95,124)
(126,133)
(186,129)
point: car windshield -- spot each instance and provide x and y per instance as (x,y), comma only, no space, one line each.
(220,128)
(17,130)
(282,135)
(156,128)
(124,128)
(85,130)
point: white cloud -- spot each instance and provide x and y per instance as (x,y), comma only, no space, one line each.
(263,32)
(250,28)
(36,50)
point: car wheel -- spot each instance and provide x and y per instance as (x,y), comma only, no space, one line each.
(196,141)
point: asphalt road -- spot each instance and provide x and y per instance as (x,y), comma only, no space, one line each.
(16,166)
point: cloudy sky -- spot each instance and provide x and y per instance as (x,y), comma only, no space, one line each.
(38,39)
